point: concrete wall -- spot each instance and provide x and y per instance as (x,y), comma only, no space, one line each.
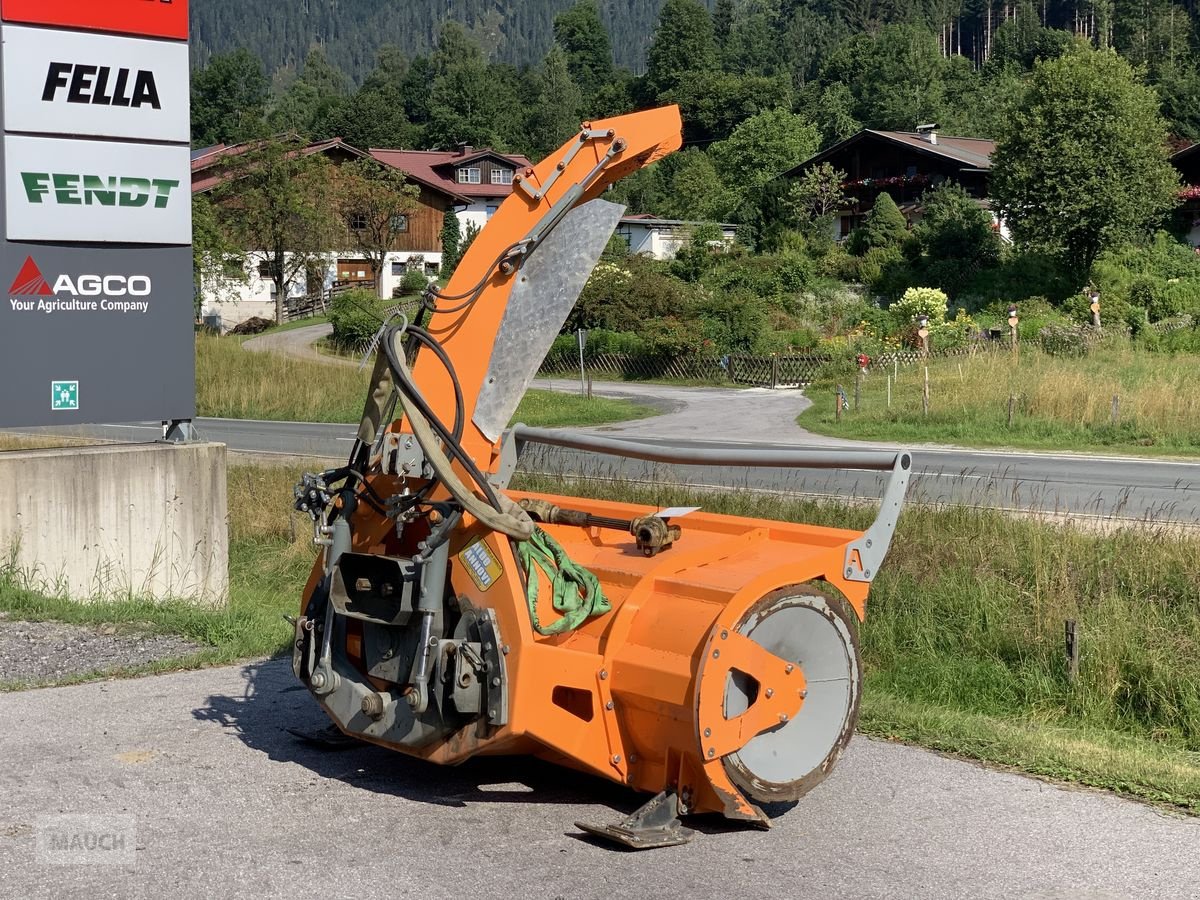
(115,520)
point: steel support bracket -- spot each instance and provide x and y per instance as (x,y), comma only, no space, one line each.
(655,824)
(865,555)
(179,431)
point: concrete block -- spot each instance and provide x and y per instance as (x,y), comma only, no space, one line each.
(143,520)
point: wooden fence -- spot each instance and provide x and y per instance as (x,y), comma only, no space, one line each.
(798,370)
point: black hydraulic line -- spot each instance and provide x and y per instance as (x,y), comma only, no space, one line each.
(433,344)
(413,395)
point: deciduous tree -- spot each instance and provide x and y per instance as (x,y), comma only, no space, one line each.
(1081,164)
(275,202)
(375,202)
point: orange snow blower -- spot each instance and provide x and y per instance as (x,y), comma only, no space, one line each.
(707,659)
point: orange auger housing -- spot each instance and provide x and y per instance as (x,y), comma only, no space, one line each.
(723,673)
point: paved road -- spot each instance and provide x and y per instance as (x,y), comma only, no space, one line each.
(1079,485)
(226,804)
(1154,490)
(297,343)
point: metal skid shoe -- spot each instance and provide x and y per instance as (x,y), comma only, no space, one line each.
(655,824)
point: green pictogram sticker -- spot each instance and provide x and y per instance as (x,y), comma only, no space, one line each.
(64,395)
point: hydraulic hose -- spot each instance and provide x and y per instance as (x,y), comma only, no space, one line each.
(506,516)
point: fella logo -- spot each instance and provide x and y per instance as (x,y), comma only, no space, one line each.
(30,282)
(101,86)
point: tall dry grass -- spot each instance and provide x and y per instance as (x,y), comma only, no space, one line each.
(236,384)
(1058,402)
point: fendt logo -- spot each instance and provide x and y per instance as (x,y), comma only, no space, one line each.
(97,190)
(72,294)
(101,86)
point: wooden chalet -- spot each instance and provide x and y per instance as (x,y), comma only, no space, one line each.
(905,164)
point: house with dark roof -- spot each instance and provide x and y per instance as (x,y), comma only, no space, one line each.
(905,164)
(470,182)
(1187,213)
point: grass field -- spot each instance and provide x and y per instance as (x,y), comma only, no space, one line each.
(234,384)
(963,642)
(1061,403)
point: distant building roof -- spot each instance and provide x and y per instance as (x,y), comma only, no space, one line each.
(437,168)
(205,175)
(970,152)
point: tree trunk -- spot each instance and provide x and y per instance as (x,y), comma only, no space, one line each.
(280,285)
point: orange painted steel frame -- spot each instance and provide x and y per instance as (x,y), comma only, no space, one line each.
(635,695)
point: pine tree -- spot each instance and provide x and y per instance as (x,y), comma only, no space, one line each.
(683,43)
(556,114)
(586,43)
(450,241)
(463,94)
(885,226)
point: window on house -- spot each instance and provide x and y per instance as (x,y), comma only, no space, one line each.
(264,269)
(491,209)
(358,221)
(502,176)
(399,223)
(911,171)
(469,175)
(399,267)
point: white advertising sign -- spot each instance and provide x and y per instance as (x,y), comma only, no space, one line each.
(64,190)
(64,82)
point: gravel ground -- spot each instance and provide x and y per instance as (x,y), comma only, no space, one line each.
(33,653)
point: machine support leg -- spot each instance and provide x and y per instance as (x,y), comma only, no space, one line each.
(655,824)
(179,431)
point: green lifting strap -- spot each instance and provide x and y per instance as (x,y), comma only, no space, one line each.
(577,592)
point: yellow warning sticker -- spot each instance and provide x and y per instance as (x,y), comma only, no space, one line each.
(481,564)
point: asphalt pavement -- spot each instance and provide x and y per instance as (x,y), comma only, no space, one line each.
(1155,490)
(215,799)
(1069,484)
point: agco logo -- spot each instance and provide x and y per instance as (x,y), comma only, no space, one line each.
(74,294)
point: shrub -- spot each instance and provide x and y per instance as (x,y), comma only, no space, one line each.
(921,301)
(733,323)
(1181,340)
(413,282)
(621,296)
(884,226)
(1063,340)
(762,276)
(355,316)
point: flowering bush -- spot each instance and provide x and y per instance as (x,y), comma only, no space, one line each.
(921,301)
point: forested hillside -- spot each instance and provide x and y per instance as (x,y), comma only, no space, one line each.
(352,31)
